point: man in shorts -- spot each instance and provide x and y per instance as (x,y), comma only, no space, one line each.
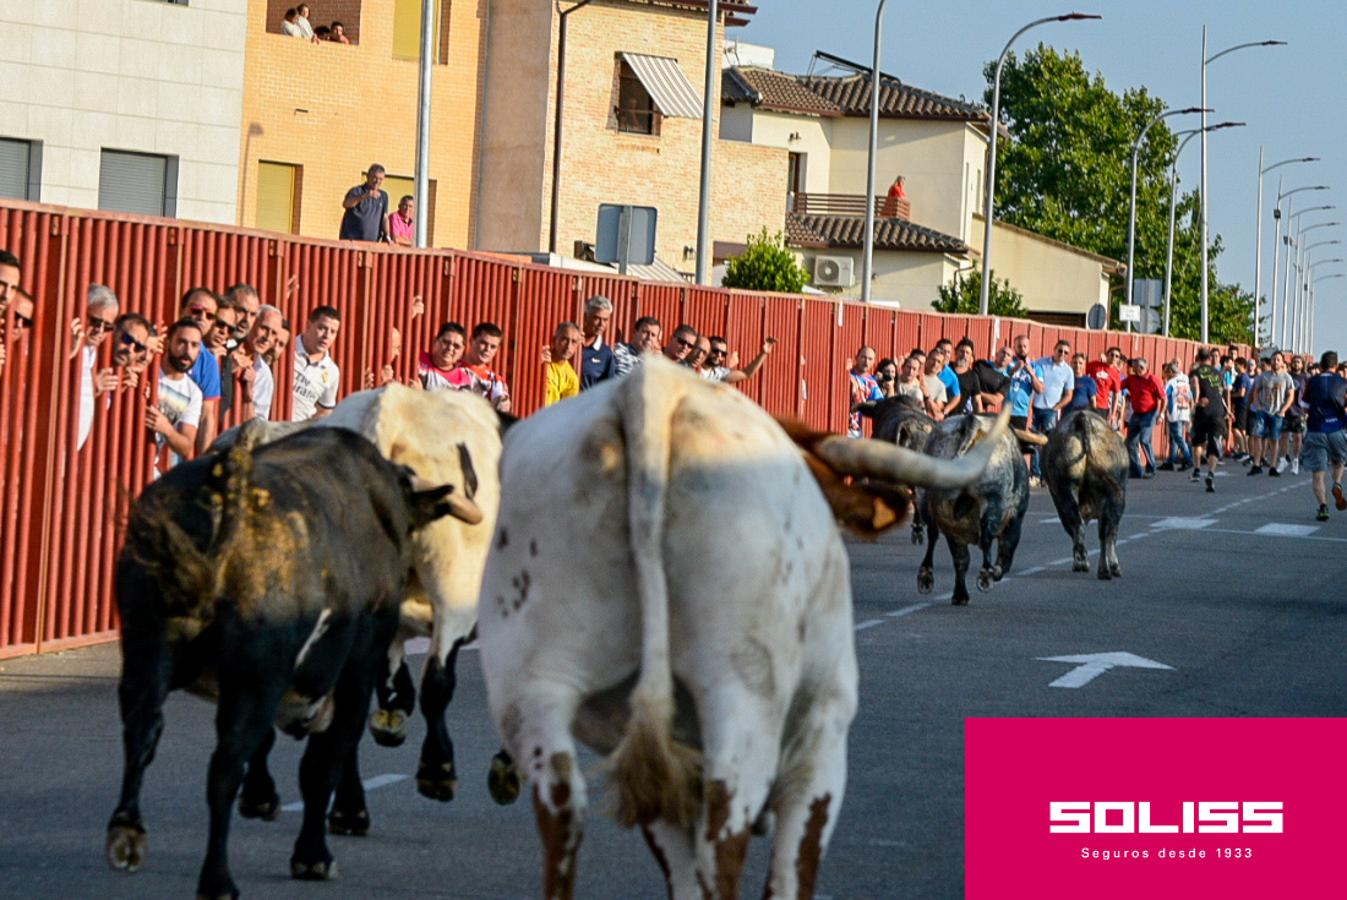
(1240,392)
(1208,434)
(1272,394)
(1326,435)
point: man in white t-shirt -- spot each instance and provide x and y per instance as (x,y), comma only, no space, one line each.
(174,421)
(90,335)
(317,377)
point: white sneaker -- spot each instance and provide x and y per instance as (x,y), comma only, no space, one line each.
(1295,467)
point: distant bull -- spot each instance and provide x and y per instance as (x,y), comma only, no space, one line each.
(1085,466)
(990,510)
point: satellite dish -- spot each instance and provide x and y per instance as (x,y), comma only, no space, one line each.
(1097,317)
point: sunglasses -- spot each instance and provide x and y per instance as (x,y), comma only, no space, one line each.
(717,351)
(201,312)
(99,325)
(222,325)
(23,321)
(134,344)
(684,342)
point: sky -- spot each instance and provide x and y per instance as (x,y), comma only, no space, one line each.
(1294,98)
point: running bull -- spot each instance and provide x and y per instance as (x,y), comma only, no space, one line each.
(269,578)
(990,510)
(702,640)
(1085,466)
(903,421)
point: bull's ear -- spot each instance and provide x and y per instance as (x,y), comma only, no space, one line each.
(864,508)
(867,408)
(427,506)
(507,421)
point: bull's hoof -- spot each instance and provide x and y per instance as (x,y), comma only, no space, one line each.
(985,580)
(300,716)
(1104,574)
(348,824)
(319,870)
(925,581)
(388,727)
(267,809)
(918,535)
(502,781)
(126,847)
(998,573)
(228,893)
(436,784)
(1115,571)
(1081,564)
(959,601)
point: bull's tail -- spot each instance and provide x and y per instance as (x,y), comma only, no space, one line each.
(655,777)
(1083,425)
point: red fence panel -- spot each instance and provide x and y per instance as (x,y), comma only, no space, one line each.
(821,361)
(546,298)
(781,371)
(665,302)
(707,311)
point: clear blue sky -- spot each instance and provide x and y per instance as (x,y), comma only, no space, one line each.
(1293,98)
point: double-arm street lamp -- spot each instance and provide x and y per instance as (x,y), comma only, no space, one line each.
(984,299)
(1293,312)
(1258,237)
(1202,215)
(1173,199)
(1314,300)
(1277,246)
(1305,333)
(1132,209)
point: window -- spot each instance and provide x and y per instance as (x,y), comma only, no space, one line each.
(407,30)
(138,183)
(278,186)
(20,169)
(323,14)
(636,112)
(399,186)
(794,178)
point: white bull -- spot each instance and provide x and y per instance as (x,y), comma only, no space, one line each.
(697,629)
(445,437)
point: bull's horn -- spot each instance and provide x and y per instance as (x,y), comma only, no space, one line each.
(1029,437)
(888,462)
(463,509)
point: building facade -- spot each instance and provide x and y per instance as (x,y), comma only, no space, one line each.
(125,105)
(317,115)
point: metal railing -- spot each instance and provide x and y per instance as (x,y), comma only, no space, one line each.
(810,204)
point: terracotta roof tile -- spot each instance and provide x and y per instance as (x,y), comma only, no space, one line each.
(849,231)
(774,90)
(897,100)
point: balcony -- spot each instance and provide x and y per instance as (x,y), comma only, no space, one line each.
(805,204)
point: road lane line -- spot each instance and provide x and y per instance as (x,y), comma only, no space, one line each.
(907,610)
(370,784)
(868,623)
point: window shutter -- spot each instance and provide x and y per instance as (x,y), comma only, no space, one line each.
(14,168)
(132,182)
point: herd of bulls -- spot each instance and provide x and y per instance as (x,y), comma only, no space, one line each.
(282,572)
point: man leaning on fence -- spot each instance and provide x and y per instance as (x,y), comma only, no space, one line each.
(175,419)
(317,376)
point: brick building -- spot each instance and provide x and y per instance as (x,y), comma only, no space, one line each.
(633,129)
(315,116)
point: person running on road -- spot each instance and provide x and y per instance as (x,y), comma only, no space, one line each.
(1326,438)
(1293,429)
(1208,435)
(1272,394)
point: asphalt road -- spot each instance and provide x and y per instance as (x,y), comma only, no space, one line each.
(1251,623)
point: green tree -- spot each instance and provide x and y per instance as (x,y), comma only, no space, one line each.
(766,266)
(964,295)
(1066,174)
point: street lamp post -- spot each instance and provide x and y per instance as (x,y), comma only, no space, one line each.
(422,161)
(868,249)
(1305,334)
(1292,310)
(1173,199)
(984,299)
(1277,246)
(1132,209)
(1202,214)
(708,111)
(1258,237)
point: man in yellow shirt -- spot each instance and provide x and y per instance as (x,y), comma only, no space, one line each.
(559,378)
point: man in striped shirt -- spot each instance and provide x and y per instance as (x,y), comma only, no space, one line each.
(647,340)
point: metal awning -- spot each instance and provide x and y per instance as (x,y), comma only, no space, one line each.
(667,85)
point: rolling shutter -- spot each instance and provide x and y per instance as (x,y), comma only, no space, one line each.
(14,168)
(132,182)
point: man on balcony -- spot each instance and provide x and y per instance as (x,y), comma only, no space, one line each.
(896,199)
(366,216)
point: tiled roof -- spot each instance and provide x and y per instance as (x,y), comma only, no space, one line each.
(833,95)
(849,231)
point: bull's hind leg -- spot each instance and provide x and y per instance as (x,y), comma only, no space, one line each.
(1068,510)
(308,706)
(436,776)
(926,574)
(808,796)
(146,673)
(1010,539)
(987,527)
(539,733)
(259,799)
(959,550)
(1109,517)
(349,815)
(671,845)
(395,696)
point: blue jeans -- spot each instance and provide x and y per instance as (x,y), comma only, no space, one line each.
(1179,451)
(1044,421)
(1139,429)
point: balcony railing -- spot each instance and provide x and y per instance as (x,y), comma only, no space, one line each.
(847,205)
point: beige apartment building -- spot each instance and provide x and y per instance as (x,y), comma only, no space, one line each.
(316,115)
(939,145)
(635,73)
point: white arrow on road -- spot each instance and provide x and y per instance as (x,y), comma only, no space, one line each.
(1090,666)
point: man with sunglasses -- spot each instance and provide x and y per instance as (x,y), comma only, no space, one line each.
(718,366)
(200,304)
(101,313)
(130,356)
(682,344)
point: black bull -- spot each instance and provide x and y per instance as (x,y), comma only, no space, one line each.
(991,510)
(271,578)
(902,421)
(1085,467)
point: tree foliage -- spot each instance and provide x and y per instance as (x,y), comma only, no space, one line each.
(1066,174)
(766,266)
(964,295)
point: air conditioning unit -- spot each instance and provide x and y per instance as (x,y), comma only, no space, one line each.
(834,271)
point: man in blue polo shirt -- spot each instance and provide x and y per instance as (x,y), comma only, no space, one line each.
(1326,436)
(1026,379)
(596,357)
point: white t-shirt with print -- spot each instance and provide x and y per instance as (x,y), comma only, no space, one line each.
(716,373)
(88,356)
(316,383)
(180,401)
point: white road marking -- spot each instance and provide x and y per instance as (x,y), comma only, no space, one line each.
(1285,529)
(370,784)
(868,623)
(907,610)
(1034,570)
(1091,665)
(1184,523)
